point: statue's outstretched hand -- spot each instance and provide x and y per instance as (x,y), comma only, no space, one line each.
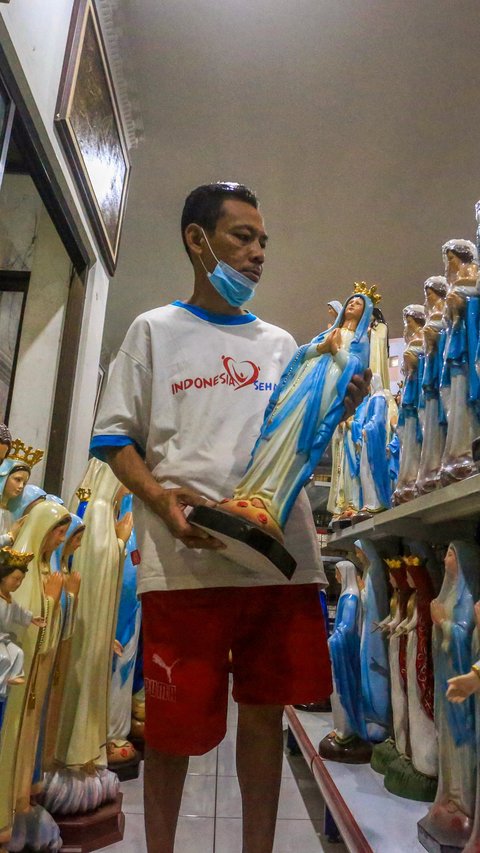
(357,390)
(462,686)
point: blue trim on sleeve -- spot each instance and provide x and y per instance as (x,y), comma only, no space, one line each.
(100,444)
(218,319)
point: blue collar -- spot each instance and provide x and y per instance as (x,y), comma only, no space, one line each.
(218,319)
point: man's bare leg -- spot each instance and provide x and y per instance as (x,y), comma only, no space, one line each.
(259,770)
(164,778)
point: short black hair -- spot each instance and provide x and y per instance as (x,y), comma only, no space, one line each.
(204,204)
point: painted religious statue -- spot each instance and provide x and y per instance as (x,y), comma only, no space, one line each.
(347,742)
(13,568)
(377,431)
(460,383)
(434,420)
(450,819)
(409,430)
(300,419)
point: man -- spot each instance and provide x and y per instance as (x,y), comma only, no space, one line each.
(187,393)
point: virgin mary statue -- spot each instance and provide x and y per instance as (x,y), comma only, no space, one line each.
(301,417)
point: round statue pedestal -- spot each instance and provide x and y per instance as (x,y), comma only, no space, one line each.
(351,750)
(93,830)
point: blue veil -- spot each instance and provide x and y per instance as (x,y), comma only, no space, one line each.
(31,493)
(7,467)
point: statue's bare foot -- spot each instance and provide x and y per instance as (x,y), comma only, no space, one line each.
(19,679)
(254,510)
(119,751)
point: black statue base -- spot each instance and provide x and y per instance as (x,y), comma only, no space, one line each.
(245,542)
(341,523)
(435,843)
(353,750)
(127,770)
(476,453)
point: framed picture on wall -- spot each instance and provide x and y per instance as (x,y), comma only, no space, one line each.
(89,125)
(13,296)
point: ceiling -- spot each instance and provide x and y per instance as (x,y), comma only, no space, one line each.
(356,121)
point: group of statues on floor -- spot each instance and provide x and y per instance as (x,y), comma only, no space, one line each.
(405,652)
(384,456)
(70,674)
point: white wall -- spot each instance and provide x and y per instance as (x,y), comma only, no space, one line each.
(33,34)
(37,365)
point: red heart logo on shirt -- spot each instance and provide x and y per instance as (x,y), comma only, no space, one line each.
(241,373)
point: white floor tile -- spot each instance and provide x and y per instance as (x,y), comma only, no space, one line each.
(226,760)
(133,839)
(291,804)
(198,796)
(292,836)
(133,794)
(204,765)
(195,835)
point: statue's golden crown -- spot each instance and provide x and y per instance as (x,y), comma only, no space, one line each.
(83,494)
(15,559)
(371,292)
(394,562)
(25,453)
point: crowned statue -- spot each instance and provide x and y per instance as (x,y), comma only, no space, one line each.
(450,818)
(409,429)
(460,383)
(386,752)
(40,593)
(414,773)
(13,568)
(81,781)
(299,422)
(15,472)
(434,418)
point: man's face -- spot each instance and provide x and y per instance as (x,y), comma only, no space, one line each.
(239,239)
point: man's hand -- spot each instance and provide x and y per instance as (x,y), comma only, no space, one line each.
(357,390)
(170,505)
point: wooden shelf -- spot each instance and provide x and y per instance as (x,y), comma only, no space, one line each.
(449,513)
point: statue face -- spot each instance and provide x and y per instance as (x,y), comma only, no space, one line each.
(332,315)
(239,239)
(15,484)
(73,543)
(354,309)
(12,581)
(451,565)
(54,538)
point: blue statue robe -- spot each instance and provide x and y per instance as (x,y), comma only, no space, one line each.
(129,606)
(303,405)
(375,427)
(374,664)
(344,646)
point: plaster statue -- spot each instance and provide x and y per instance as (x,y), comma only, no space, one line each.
(375,676)
(384,753)
(414,773)
(301,417)
(127,633)
(40,592)
(460,384)
(460,688)
(434,419)
(377,431)
(451,815)
(83,726)
(409,430)
(347,741)
(13,567)
(333,309)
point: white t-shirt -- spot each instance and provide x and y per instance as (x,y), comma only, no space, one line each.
(189,389)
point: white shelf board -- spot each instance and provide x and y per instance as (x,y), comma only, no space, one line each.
(388,822)
(445,513)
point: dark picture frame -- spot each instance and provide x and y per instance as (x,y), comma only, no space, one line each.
(89,125)
(13,298)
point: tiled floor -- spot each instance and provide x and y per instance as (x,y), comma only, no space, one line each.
(210,815)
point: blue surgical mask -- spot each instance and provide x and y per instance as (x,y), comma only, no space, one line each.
(235,287)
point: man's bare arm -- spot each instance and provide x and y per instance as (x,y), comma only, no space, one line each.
(169,504)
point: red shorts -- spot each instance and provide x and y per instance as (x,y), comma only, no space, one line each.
(279,651)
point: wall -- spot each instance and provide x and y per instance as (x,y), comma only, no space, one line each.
(33,34)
